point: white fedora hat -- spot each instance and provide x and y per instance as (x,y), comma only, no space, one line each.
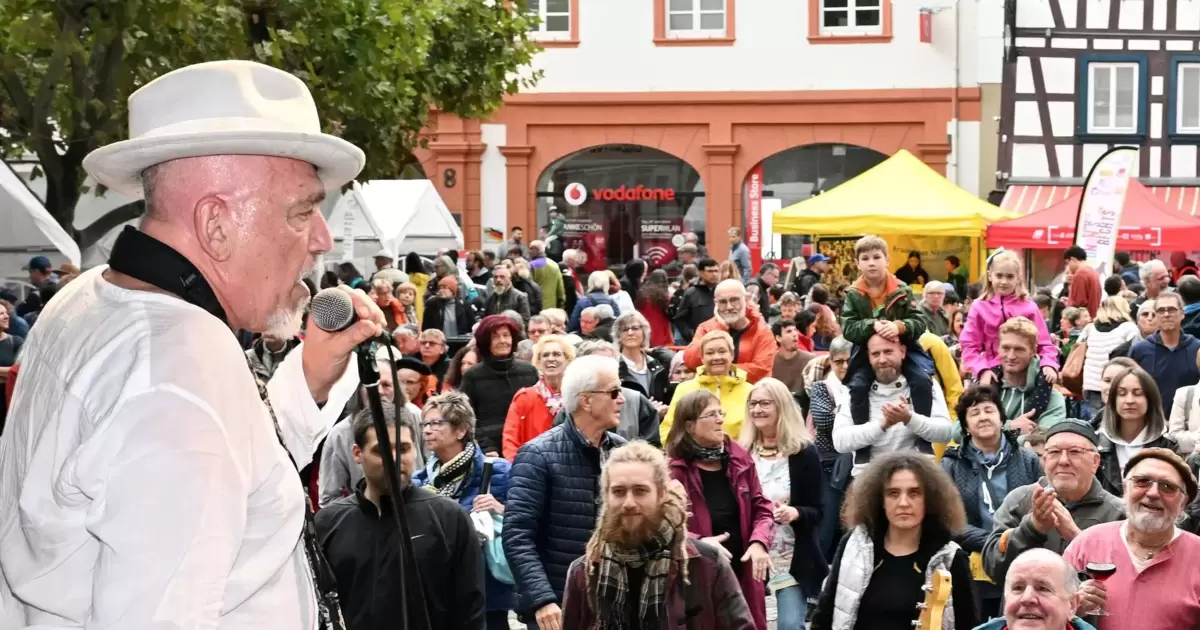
(222,108)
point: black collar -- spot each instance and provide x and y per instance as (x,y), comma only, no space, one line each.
(141,256)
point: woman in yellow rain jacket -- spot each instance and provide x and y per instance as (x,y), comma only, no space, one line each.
(720,376)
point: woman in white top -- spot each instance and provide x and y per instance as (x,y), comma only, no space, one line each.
(1184,422)
(1112,328)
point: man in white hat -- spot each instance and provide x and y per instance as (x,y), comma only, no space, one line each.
(384,261)
(143,482)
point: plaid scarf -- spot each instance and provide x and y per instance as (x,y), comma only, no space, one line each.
(451,476)
(612,581)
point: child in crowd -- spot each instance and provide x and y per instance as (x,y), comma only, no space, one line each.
(878,303)
(1003,296)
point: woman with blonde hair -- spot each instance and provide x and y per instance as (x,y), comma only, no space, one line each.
(719,376)
(1112,328)
(729,271)
(789,469)
(534,408)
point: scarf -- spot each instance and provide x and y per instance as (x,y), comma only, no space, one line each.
(552,400)
(709,453)
(612,581)
(451,476)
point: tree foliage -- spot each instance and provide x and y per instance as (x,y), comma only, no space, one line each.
(375,67)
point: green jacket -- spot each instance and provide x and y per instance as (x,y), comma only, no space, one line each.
(858,318)
(1018,400)
(547,275)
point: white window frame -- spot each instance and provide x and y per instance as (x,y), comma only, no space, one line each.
(852,29)
(696,32)
(1112,66)
(541,34)
(1179,128)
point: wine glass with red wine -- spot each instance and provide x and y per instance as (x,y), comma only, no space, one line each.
(1100,569)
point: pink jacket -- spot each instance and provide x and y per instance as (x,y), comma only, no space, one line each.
(980,338)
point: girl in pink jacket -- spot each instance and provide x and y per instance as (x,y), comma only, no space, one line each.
(1003,296)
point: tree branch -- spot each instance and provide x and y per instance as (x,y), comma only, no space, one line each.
(20,98)
(89,235)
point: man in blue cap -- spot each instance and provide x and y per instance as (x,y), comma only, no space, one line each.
(818,264)
(41,272)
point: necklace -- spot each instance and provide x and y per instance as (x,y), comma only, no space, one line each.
(767,451)
(1149,554)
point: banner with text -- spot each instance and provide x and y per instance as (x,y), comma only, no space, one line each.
(754,218)
(1101,205)
(656,244)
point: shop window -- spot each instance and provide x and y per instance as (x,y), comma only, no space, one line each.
(693,19)
(852,17)
(1112,96)
(622,201)
(555,19)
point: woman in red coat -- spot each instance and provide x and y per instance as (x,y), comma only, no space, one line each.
(653,297)
(533,408)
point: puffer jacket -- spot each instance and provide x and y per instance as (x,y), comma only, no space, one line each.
(755,351)
(1102,338)
(733,390)
(980,338)
(1020,467)
(695,307)
(490,386)
(639,419)
(595,298)
(551,511)
(1110,465)
(499,594)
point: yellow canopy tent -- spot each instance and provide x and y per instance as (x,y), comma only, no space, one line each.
(901,195)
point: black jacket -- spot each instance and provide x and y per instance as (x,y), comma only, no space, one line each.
(1110,475)
(491,386)
(512,300)
(809,566)
(659,379)
(572,293)
(532,292)
(696,307)
(361,542)
(434,319)
(804,282)
(1021,467)
(551,511)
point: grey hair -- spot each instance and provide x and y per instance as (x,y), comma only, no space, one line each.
(1169,294)
(541,319)
(1038,554)
(569,254)
(1148,305)
(409,330)
(594,346)
(456,409)
(598,281)
(1149,267)
(604,311)
(840,346)
(934,285)
(637,319)
(525,350)
(515,316)
(588,312)
(583,375)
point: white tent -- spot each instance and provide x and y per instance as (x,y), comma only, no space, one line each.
(403,215)
(27,229)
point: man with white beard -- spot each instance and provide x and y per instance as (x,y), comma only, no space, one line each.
(754,346)
(1155,583)
(143,481)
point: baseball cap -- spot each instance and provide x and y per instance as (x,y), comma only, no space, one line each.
(1078,427)
(41,263)
(817,258)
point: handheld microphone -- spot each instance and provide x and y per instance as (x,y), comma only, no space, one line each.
(485,485)
(333,311)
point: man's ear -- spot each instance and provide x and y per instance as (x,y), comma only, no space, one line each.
(1074,601)
(215,230)
(357,452)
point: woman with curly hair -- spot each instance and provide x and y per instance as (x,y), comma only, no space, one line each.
(900,514)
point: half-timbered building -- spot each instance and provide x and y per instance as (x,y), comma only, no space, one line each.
(1082,76)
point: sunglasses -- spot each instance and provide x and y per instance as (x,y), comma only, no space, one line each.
(1165,488)
(614,393)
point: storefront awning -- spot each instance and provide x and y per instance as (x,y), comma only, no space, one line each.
(1148,222)
(1027,199)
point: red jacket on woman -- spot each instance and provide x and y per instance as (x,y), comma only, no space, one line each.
(527,418)
(756,510)
(660,325)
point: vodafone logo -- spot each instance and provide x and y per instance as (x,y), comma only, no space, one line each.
(575,194)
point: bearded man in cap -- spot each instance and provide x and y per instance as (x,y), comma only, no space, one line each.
(145,482)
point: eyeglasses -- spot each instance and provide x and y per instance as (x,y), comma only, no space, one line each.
(1166,310)
(614,393)
(434,423)
(431,343)
(629,329)
(729,302)
(713,415)
(1073,453)
(755,404)
(1165,488)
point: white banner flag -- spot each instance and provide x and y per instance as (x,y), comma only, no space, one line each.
(1101,205)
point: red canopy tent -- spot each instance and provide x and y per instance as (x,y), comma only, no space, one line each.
(1146,224)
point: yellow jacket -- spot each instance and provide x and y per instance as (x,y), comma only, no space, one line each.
(421,281)
(947,373)
(734,392)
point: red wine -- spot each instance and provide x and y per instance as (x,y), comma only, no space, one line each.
(1101,571)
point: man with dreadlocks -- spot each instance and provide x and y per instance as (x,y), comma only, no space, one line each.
(641,570)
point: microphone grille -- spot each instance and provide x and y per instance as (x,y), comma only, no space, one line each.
(332,310)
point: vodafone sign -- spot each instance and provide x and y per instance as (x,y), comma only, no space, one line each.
(575,194)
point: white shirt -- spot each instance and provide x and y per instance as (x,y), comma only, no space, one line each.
(849,437)
(142,484)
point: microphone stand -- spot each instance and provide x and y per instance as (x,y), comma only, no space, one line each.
(368,374)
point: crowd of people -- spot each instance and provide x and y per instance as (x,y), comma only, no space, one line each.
(763,449)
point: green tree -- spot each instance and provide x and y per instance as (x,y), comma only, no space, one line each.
(375,67)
